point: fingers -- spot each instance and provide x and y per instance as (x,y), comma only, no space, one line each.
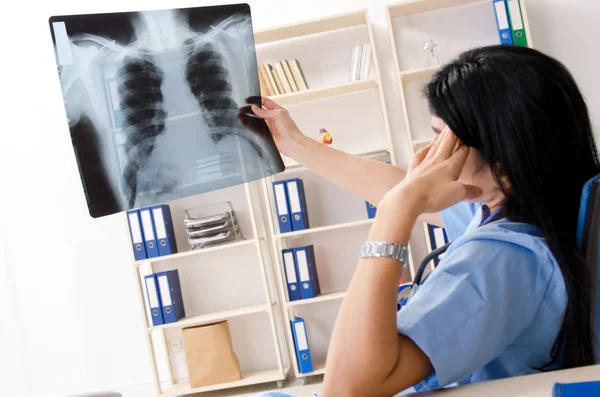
(264,101)
(420,156)
(447,144)
(257,126)
(457,160)
(433,146)
(262,113)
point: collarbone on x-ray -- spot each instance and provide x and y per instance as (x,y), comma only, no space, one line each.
(164,105)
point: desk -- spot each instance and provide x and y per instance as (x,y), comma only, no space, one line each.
(538,385)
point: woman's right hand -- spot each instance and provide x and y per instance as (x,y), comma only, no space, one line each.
(283,128)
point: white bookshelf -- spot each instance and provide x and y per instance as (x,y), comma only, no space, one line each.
(473,25)
(339,222)
(345,221)
(246,202)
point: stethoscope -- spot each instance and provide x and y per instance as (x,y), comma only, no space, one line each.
(418,279)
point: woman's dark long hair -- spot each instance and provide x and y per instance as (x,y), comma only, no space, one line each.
(523,111)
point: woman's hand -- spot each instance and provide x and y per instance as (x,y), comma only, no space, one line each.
(431,183)
(284,130)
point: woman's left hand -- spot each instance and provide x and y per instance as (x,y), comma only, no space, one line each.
(431,183)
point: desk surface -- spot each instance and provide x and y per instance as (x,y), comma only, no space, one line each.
(538,385)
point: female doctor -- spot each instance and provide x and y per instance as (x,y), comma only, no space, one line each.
(512,295)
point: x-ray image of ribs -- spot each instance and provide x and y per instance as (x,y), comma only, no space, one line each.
(209,81)
(141,99)
(167,93)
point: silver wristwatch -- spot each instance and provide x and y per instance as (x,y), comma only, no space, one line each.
(376,249)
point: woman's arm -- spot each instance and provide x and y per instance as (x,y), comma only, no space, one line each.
(367,356)
(364,177)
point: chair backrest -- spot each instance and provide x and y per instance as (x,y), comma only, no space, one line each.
(588,235)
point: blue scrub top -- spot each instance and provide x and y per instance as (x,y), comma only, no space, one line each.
(500,296)
(492,308)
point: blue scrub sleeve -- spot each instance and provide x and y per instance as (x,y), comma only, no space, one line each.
(474,306)
(458,217)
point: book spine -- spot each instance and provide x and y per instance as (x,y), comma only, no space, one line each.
(353,64)
(262,84)
(365,61)
(359,64)
(276,82)
(289,76)
(287,88)
(262,71)
(298,74)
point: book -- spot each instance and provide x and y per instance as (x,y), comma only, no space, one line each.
(262,71)
(298,74)
(263,86)
(289,76)
(359,64)
(365,62)
(354,64)
(273,75)
(287,88)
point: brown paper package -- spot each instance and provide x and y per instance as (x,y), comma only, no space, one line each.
(209,355)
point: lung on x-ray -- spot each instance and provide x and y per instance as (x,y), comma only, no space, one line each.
(157,103)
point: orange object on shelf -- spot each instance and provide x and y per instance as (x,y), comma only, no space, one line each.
(325,137)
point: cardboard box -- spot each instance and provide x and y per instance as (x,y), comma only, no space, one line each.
(209,355)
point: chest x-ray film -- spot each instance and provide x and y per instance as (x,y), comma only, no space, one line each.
(157,103)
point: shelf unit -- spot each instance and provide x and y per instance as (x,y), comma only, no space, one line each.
(260,243)
(410,9)
(333,25)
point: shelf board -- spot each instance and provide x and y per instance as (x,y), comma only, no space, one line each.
(198,251)
(413,7)
(322,93)
(321,298)
(213,317)
(324,229)
(248,378)
(292,166)
(319,369)
(412,75)
(306,28)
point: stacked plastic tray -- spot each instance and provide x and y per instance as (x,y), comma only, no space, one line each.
(208,230)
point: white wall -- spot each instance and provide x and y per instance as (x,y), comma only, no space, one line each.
(61,332)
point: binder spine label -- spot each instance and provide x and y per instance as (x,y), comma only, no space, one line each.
(165,293)
(280,199)
(152,295)
(301,336)
(303,265)
(159,223)
(134,225)
(147,224)
(515,11)
(290,270)
(294,197)
(501,14)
